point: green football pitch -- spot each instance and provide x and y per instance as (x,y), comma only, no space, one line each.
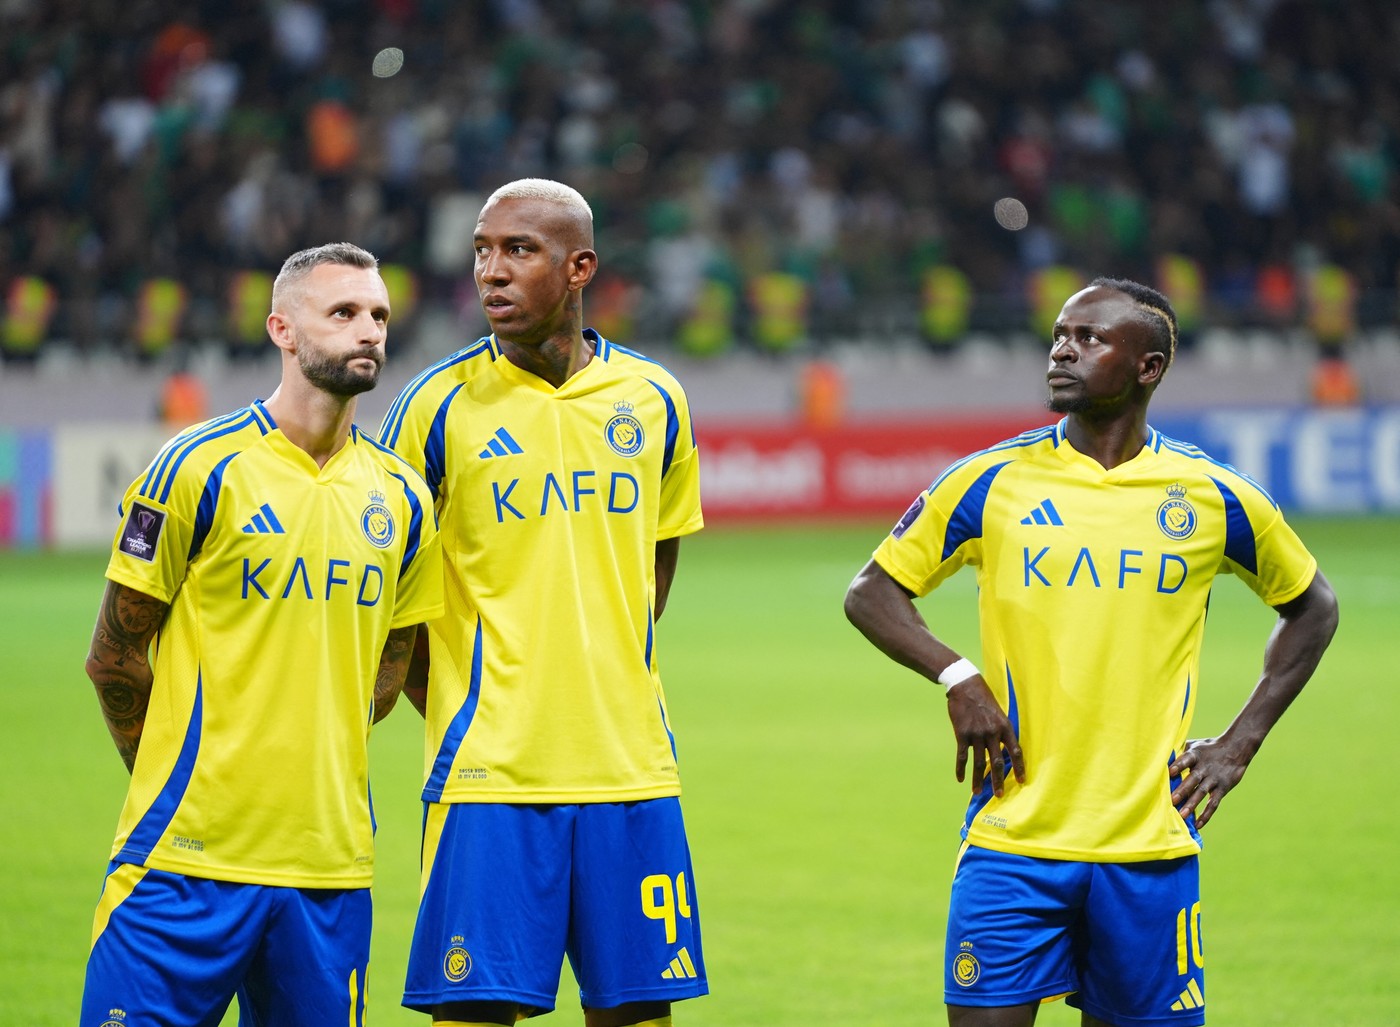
(819,795)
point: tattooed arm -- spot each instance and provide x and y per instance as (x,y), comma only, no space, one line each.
(393,669)
(119,665)
(415,684)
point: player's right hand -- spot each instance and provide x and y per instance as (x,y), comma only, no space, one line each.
(982,728)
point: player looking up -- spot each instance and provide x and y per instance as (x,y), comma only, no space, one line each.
(564,472)
(1096,542)
(263,595)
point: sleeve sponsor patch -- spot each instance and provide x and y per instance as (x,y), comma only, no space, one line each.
(910,516)
(141,532)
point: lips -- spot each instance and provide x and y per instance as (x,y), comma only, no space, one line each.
(1060,378)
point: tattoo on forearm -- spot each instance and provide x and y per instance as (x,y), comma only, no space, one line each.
(125,650)
(119,666)
(393,668)
(135,614)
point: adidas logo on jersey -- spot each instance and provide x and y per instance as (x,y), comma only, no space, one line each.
(1045,513)
(501,444)
(264,522)
(681,967)
(1191,998)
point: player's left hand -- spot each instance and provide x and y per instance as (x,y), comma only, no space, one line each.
(1215,766)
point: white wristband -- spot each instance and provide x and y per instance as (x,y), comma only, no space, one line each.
(958,672)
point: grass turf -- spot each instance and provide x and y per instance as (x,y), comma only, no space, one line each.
(819,795)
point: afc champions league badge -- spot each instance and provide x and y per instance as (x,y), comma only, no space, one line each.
(624,432)
(457,963)
(1176,517)
(376,522)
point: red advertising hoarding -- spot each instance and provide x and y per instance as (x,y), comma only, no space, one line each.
(865,469)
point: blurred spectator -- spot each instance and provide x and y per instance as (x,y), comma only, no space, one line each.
(835,148)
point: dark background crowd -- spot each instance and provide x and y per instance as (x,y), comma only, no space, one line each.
(849,145)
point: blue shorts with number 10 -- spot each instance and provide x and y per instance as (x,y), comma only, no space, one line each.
(509,890)
(1120,941)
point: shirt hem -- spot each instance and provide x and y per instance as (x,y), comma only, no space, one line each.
(517,797)
(1189,848)
(238,875)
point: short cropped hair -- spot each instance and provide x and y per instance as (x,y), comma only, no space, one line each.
(299,264)
(1156,310)
(544,189)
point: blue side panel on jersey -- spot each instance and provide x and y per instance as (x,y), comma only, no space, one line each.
(966,521)
(1174,782)
(393,420)
(1239,534)
(435,446)
(146,835)
(457,730)
(415,526)
(673,427)
(984,795)
(208,504)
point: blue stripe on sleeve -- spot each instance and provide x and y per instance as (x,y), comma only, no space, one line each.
(415,526)
(174,469)
(435,447)
(178,446)
(208,504)
(393,421)
(1239,533)
(673,428)
(457,730)
(147,833)
(966,520)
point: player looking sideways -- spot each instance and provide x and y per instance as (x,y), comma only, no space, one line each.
(264,591)
(564,472)
(1096,542)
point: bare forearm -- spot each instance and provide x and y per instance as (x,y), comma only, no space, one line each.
(887,617)
(393,670)
(1305,628)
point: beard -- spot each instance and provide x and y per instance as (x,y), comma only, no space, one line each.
(333,374)
(1069,404)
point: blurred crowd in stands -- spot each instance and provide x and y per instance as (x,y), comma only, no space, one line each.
(769,173)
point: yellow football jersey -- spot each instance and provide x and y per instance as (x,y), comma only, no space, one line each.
(1093,586)
(284,580)
(544,684)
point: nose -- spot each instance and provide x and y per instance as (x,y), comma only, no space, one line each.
(489,268)
(1061,350)
(372,329)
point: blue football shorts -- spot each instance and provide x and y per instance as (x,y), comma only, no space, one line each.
(1120,941)
(168,948)
(510,890)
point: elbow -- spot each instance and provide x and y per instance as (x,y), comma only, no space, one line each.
(856,605)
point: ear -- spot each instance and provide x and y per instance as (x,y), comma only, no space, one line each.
(1152,365)
(279,330)
(583,265)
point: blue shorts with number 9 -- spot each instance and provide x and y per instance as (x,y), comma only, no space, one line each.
(1121,941)
(509,890)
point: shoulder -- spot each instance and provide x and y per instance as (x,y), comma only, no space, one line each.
(976,466)
(201,450)
(1231,481)
(630,361)
(390,460)
(434,383)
